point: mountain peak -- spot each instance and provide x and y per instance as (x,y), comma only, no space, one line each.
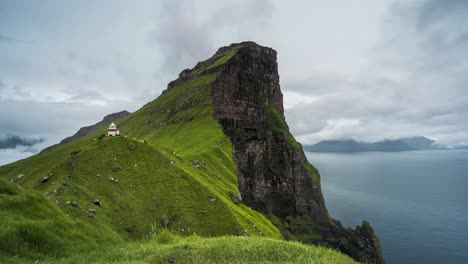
(219,60)
(248,45)
(212,155)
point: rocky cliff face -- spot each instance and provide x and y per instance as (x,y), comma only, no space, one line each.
(273,173)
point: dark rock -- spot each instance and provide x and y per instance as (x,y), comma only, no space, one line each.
(236,198)
(74,204)
(184,73)
(116,169)
(164,222)
(91,213)
(128,229)
(244,233)
(45,179)
(170,260)
(97,202)
(274,175)
(131,147)
(74,153)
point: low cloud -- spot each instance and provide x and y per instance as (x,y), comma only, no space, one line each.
(383,69)
(14,141)
(414,84)
(187,31)
(8,40)
(4,39)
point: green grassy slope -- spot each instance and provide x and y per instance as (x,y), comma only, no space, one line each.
(32,225)
(166,247)
(35,229)
(171,168)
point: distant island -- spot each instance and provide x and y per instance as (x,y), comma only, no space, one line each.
(402,144)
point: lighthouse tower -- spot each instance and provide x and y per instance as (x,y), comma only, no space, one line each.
(112,130)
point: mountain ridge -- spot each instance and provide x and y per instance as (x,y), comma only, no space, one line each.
(349,145)
(99,125)
(212,155)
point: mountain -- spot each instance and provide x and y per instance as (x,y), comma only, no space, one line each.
(419,143)
(211,156)
(403,144)
(99,125)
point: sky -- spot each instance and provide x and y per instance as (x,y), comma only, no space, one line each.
(364,70)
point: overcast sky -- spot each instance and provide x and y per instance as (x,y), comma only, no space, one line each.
(364,69)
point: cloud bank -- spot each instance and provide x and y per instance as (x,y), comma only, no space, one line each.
(369,70)
(14,141)
(414,83)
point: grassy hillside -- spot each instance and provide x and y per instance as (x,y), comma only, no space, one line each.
(165,247)
(33,228)
(171,169)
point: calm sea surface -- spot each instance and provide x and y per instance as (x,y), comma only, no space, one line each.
(417,201)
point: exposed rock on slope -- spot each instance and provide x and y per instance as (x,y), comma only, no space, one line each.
(274,176)
(273,172)
(196,158)
(99,125)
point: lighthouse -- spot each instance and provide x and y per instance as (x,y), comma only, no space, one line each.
(113,130)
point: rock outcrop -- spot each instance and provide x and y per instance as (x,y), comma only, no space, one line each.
(272,171)
(274,176)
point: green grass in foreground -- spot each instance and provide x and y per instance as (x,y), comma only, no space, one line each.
(173,166)
(166,247)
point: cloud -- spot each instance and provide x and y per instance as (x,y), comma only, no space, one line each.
(8,40)
(15,147)
(4,39)
(14,141)
(187,31)
(414,84)
(11,155)
(381,69)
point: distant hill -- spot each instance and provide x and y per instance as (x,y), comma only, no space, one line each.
(99,125)
(403,144)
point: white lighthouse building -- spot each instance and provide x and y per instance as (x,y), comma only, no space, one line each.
(113,130)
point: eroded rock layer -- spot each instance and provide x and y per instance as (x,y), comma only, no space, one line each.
(273,173)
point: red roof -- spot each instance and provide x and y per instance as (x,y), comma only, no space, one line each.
(112,129)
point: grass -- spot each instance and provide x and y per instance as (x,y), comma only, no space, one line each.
(34,226)
(166,247)
(172,167)
(172,170)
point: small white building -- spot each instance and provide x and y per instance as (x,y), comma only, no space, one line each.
(113,130)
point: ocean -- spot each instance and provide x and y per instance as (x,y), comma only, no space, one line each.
(417,201)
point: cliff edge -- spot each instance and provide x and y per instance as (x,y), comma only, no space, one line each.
(274,175)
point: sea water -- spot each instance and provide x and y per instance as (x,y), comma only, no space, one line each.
(417,201)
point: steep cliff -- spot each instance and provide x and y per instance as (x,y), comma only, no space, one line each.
(273,173)
(211,156)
